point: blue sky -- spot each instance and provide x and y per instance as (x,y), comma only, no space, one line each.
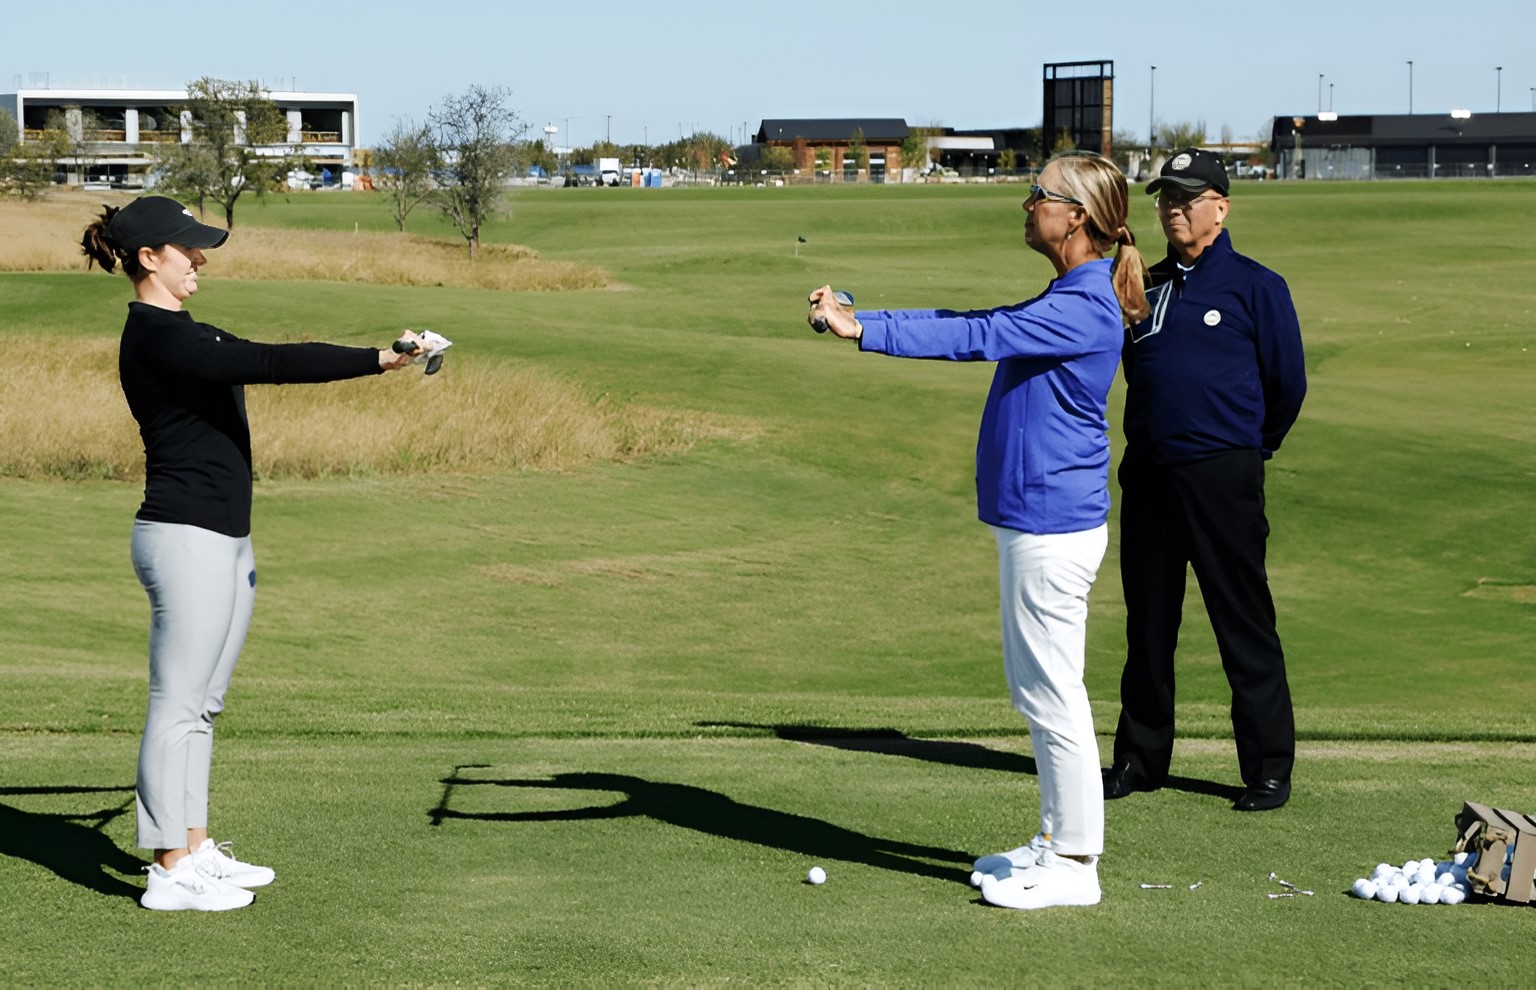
(649,71)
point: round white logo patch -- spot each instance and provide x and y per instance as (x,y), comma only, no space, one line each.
(1181,163)
(1212,317)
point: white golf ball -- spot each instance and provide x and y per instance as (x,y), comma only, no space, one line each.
(1364,889)
(817,875)
(1452,895)
(1431,893)
(1411,866)
(1408,895)
(1387,894)
(1401,881)
(1426,874)
(1460,859)
(1382,871)
(1426,861)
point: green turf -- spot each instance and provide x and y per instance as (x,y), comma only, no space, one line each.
(675,630)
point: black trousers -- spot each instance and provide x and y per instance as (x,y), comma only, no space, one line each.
(1208,514)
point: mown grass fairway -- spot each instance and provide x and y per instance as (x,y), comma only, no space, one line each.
(593,727)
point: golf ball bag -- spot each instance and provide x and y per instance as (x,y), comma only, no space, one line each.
(1504,846)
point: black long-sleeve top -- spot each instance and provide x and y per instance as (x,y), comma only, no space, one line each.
(184,382)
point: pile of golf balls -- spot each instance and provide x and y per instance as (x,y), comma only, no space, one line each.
(1419,881)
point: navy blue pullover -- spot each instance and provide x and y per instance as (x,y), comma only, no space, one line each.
(183,382)
(1218,366)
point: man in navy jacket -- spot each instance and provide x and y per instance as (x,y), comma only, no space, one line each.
(1216,378)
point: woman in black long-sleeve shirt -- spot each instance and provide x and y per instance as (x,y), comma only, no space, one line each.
(191,537)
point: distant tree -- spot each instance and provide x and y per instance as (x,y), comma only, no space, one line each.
(778,159)
(705,149)
(823,160)
(187,171)
(531,153)
(403,166)
(606,149)
(915,152)
(227,120)
(1182,134)
(858,151)
(476,132)
(10,132)
(1007,160)
(28,167)
(78,126)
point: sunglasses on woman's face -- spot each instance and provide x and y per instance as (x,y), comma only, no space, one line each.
(1040,192)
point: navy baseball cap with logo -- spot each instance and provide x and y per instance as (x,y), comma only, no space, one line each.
(1192,170)
(151,221)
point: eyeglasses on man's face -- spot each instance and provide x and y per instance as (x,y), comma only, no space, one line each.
(1173,201)
(1038,193)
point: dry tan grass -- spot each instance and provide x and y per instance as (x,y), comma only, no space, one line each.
(63,416)
(44,236)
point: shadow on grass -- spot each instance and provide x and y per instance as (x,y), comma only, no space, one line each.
(72,846)
(891,742)
(712,814)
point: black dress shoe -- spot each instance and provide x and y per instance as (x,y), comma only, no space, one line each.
(1122,779)
(1264,795)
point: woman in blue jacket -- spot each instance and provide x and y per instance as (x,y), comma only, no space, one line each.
(1042,484)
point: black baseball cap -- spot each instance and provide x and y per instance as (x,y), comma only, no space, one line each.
(1192,170)
(151,221)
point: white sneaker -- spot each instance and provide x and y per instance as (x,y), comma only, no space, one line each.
(1001,864)
(186,888)
(1054,881)
(218,862)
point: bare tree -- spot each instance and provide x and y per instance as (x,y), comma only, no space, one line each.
(79,127)
(227,120)
(1182,134)
(404,163)
(476,133)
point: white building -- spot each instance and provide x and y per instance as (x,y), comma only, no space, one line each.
(130,123)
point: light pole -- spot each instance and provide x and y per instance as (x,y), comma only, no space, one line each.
(1330,97)
(1410,87)
(1319,92)
(1498,86)
(610,127)
(1152,110)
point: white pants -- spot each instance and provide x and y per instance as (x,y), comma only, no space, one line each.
(1044,582)
(202,588)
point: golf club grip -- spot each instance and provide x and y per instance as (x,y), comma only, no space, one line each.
(838,295)
(405,347)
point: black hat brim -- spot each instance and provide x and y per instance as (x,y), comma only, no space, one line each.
(1188,185)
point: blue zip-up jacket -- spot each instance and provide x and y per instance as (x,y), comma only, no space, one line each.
(1042,459)
(1218,366)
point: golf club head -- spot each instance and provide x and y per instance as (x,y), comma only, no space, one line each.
(845,298)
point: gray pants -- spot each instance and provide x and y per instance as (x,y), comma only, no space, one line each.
(202,587)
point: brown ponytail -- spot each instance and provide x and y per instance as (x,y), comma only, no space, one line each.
(99,247)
